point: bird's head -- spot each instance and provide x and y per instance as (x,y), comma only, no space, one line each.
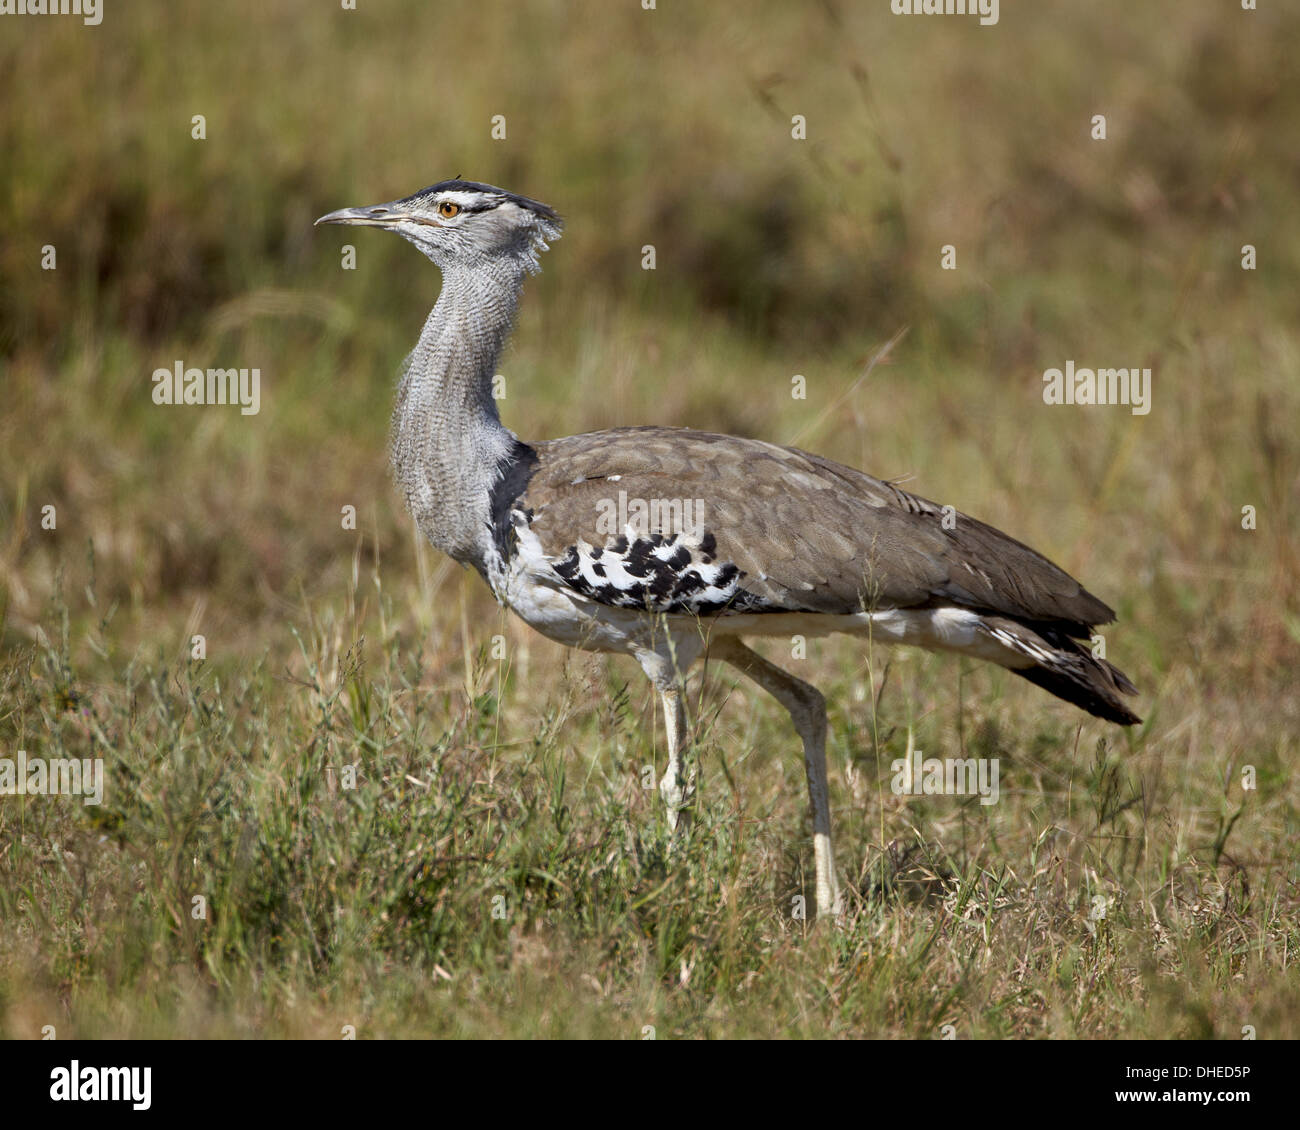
(460,223)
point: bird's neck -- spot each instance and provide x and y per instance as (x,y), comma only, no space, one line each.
(448,442)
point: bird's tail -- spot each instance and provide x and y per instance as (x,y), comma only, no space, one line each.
(1063,666)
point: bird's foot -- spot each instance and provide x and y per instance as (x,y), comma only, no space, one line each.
(830,904)
(677,802)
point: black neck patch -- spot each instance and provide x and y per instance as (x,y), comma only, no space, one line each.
(516,472)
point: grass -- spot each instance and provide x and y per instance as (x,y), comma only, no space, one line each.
(499,867)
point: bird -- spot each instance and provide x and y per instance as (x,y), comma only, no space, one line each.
(673,545)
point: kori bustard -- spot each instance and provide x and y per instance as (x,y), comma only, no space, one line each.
(785,543)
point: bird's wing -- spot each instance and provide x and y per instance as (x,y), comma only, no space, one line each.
(758,527)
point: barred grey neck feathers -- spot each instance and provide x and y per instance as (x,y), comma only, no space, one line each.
(449,447)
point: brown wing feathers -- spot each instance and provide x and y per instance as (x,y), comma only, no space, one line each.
(807,534)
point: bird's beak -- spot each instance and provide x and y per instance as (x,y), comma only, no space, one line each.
(379,216)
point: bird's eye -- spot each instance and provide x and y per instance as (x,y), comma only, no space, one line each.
(447,209)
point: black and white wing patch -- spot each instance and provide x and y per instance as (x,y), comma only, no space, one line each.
(668,573)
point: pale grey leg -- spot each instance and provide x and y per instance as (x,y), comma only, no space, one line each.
(666,669)
(675,790)
(807,710)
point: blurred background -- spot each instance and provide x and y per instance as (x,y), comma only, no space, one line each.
(774,257)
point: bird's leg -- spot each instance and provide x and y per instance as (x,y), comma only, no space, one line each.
(675,791)
(665,667)
(807,710)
